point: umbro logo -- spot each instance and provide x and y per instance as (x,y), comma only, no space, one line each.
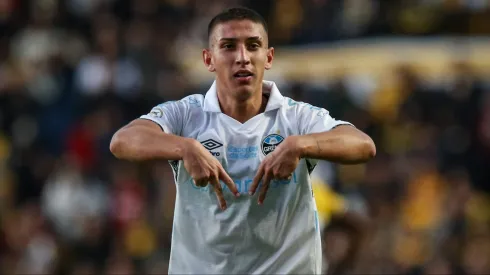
(211,144)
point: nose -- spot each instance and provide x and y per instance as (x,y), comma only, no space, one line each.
(243,57)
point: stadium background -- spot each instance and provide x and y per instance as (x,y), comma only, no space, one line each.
(414,74)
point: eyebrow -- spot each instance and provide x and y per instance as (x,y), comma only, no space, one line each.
(235,39)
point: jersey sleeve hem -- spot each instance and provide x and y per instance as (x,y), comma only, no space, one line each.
(164,127)
(340,123)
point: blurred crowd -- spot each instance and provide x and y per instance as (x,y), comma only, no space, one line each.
(72,72)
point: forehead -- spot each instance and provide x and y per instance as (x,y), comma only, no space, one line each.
(238,29)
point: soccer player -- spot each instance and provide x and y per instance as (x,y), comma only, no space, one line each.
(231,149)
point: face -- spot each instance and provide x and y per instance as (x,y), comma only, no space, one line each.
(239,54)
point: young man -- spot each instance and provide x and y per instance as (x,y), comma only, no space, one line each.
(234,146)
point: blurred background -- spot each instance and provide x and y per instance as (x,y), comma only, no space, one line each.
(413,74)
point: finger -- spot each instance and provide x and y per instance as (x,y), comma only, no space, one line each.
(229,182)
(219,193)
(256,180)
(265,187)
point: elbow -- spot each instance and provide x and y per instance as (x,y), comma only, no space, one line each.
(367,149)
(117,145)
(370,148)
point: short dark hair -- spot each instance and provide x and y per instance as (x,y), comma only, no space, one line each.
(238,13)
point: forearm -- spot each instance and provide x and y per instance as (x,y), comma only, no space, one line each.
(138,143)
(344,144)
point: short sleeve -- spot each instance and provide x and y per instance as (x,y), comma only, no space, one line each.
(312,119)
(169,116)
(315,119)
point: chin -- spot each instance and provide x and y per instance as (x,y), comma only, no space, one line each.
(244,92)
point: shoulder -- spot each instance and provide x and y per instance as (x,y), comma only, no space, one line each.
(182,107)
(302,108)
(190,101)
(194,100)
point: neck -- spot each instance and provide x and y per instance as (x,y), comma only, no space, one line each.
(242,109)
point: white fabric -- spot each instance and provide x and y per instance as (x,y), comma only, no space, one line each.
(279,237)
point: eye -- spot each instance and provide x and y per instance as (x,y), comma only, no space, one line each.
(254,46)
(228,46)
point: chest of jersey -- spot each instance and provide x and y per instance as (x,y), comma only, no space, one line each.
(240,147)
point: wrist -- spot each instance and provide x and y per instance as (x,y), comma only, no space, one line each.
(305,145)
(298,146)
(185,146)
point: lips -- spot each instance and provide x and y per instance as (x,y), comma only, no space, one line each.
(243,76)
(243,73)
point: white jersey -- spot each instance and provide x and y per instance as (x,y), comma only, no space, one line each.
(279,237)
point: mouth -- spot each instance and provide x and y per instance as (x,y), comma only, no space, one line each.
(243,76)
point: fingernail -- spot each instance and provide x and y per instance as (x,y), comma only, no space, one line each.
(260,202)
(251,193)
(237,194)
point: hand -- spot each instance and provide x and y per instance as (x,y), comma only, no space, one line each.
(205,169)
(280,164)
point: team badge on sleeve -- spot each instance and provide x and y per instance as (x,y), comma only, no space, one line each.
(270,143)
(156,112)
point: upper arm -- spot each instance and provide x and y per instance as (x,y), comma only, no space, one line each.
(142,122)
(312,119)
(169,116)
(347,129)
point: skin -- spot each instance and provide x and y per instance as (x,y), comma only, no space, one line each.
(142,140)
(233,46)
(344,144)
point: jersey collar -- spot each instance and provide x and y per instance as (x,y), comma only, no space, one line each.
(211,103)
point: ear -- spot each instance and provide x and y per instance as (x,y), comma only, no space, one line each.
(270,57)
(207,59)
